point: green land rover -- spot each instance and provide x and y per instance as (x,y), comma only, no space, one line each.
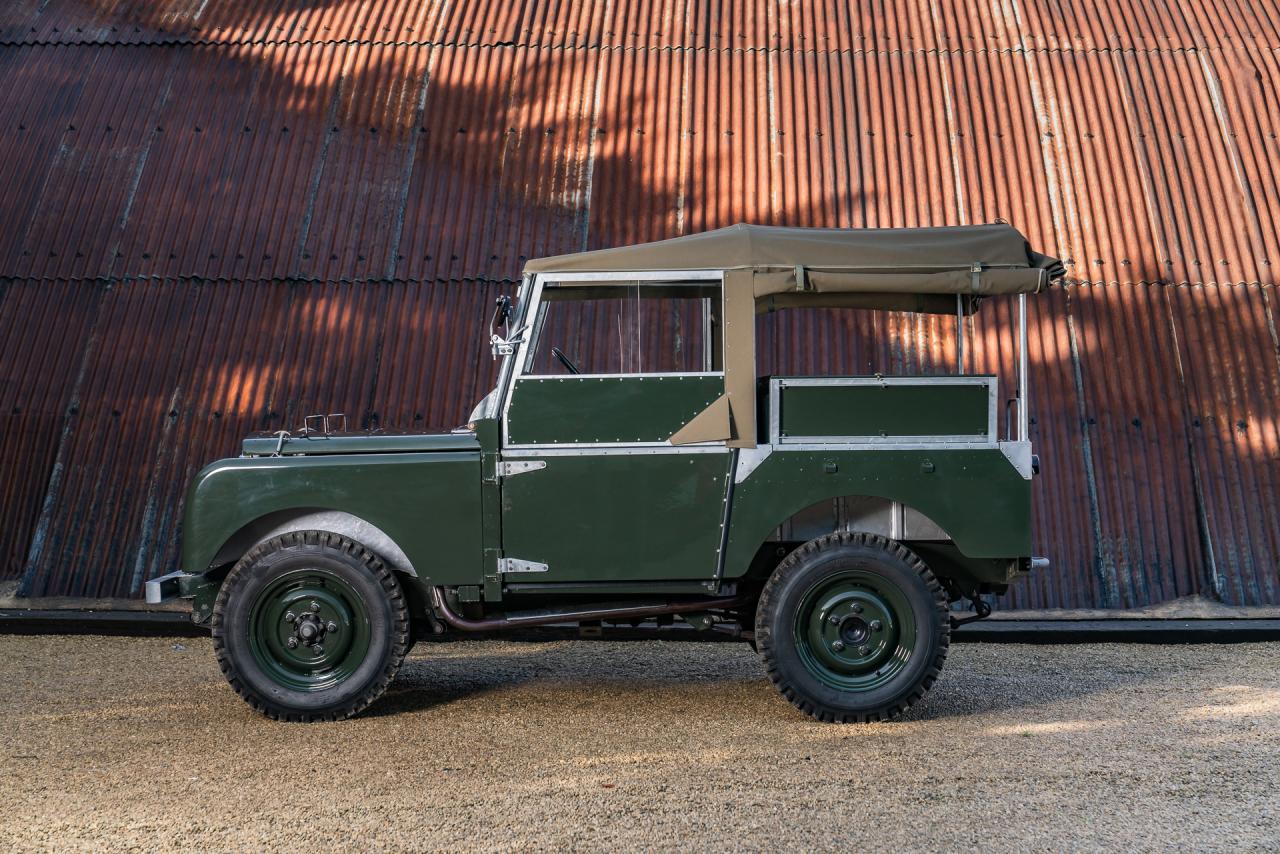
(630,467)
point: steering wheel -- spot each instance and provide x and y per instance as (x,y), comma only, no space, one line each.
(565,360)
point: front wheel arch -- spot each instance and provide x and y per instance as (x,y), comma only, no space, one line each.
(268,527)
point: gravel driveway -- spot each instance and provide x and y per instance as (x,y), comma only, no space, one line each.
(119,743)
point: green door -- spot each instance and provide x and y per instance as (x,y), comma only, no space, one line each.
(592,488)
(607,502)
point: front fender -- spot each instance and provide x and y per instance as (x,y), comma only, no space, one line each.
(427,505)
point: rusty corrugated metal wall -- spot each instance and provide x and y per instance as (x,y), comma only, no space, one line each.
(219,216)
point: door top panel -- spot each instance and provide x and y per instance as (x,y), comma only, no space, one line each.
(600,410)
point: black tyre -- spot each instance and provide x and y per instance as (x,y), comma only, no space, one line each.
(852,628)
(310,626)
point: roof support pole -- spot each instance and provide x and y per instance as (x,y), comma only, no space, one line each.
(960,333)
(1024,418)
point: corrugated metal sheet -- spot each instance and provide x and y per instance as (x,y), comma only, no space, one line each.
(220,216)
(786,25)
(149,380)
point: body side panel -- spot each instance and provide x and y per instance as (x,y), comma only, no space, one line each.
(886,410)
(975,495)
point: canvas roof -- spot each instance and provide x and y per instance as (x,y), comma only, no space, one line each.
(973,259)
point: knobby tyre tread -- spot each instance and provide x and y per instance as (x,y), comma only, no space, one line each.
(784,576)
(400,635)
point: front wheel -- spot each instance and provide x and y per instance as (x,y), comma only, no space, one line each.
(852,628)
(310,626)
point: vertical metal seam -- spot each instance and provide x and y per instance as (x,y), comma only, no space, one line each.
(407,167)
(57,472)
(1203,522)
(1106,581)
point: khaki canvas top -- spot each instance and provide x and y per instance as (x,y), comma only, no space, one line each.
(936,270)
(980,260)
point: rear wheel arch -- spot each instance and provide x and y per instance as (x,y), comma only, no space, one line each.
(855,514)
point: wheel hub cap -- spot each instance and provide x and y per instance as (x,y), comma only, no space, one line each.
(309,629)
(855,630)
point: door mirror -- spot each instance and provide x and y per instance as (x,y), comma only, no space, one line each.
(504,344)
(501,316)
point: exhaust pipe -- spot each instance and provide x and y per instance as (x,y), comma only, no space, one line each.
(628,612)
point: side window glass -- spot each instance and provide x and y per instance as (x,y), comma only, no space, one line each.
(627,328)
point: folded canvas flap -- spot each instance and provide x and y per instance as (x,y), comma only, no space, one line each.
(712,424)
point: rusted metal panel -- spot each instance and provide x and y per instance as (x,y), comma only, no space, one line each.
(219,217)
(357,162)
(1228,357)
(810,25)
(500,172)
(44,332)
(147,381)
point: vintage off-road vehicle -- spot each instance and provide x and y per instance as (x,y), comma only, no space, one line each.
(630,467)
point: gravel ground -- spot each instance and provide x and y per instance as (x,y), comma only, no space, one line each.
(137,743)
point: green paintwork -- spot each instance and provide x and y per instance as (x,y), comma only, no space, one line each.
(946,561)
(487,433)
(617,517)
(975,495)
(886,410)
(607,409)
(360,443)
(429,504)
(315,600)
(855,631)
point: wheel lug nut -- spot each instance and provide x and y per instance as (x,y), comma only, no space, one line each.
(863,650)
(315,606)
(876,625)
(292,642)
(318,649)
(290,617)
(857,609)
(332,627)
(837,645)
(835,621)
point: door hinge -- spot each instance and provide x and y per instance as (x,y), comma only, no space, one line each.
(507,469)
(515,564)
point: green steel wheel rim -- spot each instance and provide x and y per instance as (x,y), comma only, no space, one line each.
(855,631)
(309,630)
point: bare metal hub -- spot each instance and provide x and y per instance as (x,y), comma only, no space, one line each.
(310,628)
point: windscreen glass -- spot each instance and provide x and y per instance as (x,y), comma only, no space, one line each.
(627,328)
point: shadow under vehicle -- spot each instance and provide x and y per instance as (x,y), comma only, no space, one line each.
(630,466)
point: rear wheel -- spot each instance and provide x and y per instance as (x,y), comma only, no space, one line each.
(310,626)
(852,628)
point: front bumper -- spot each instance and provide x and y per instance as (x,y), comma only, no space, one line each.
(167,587)
(203,589)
